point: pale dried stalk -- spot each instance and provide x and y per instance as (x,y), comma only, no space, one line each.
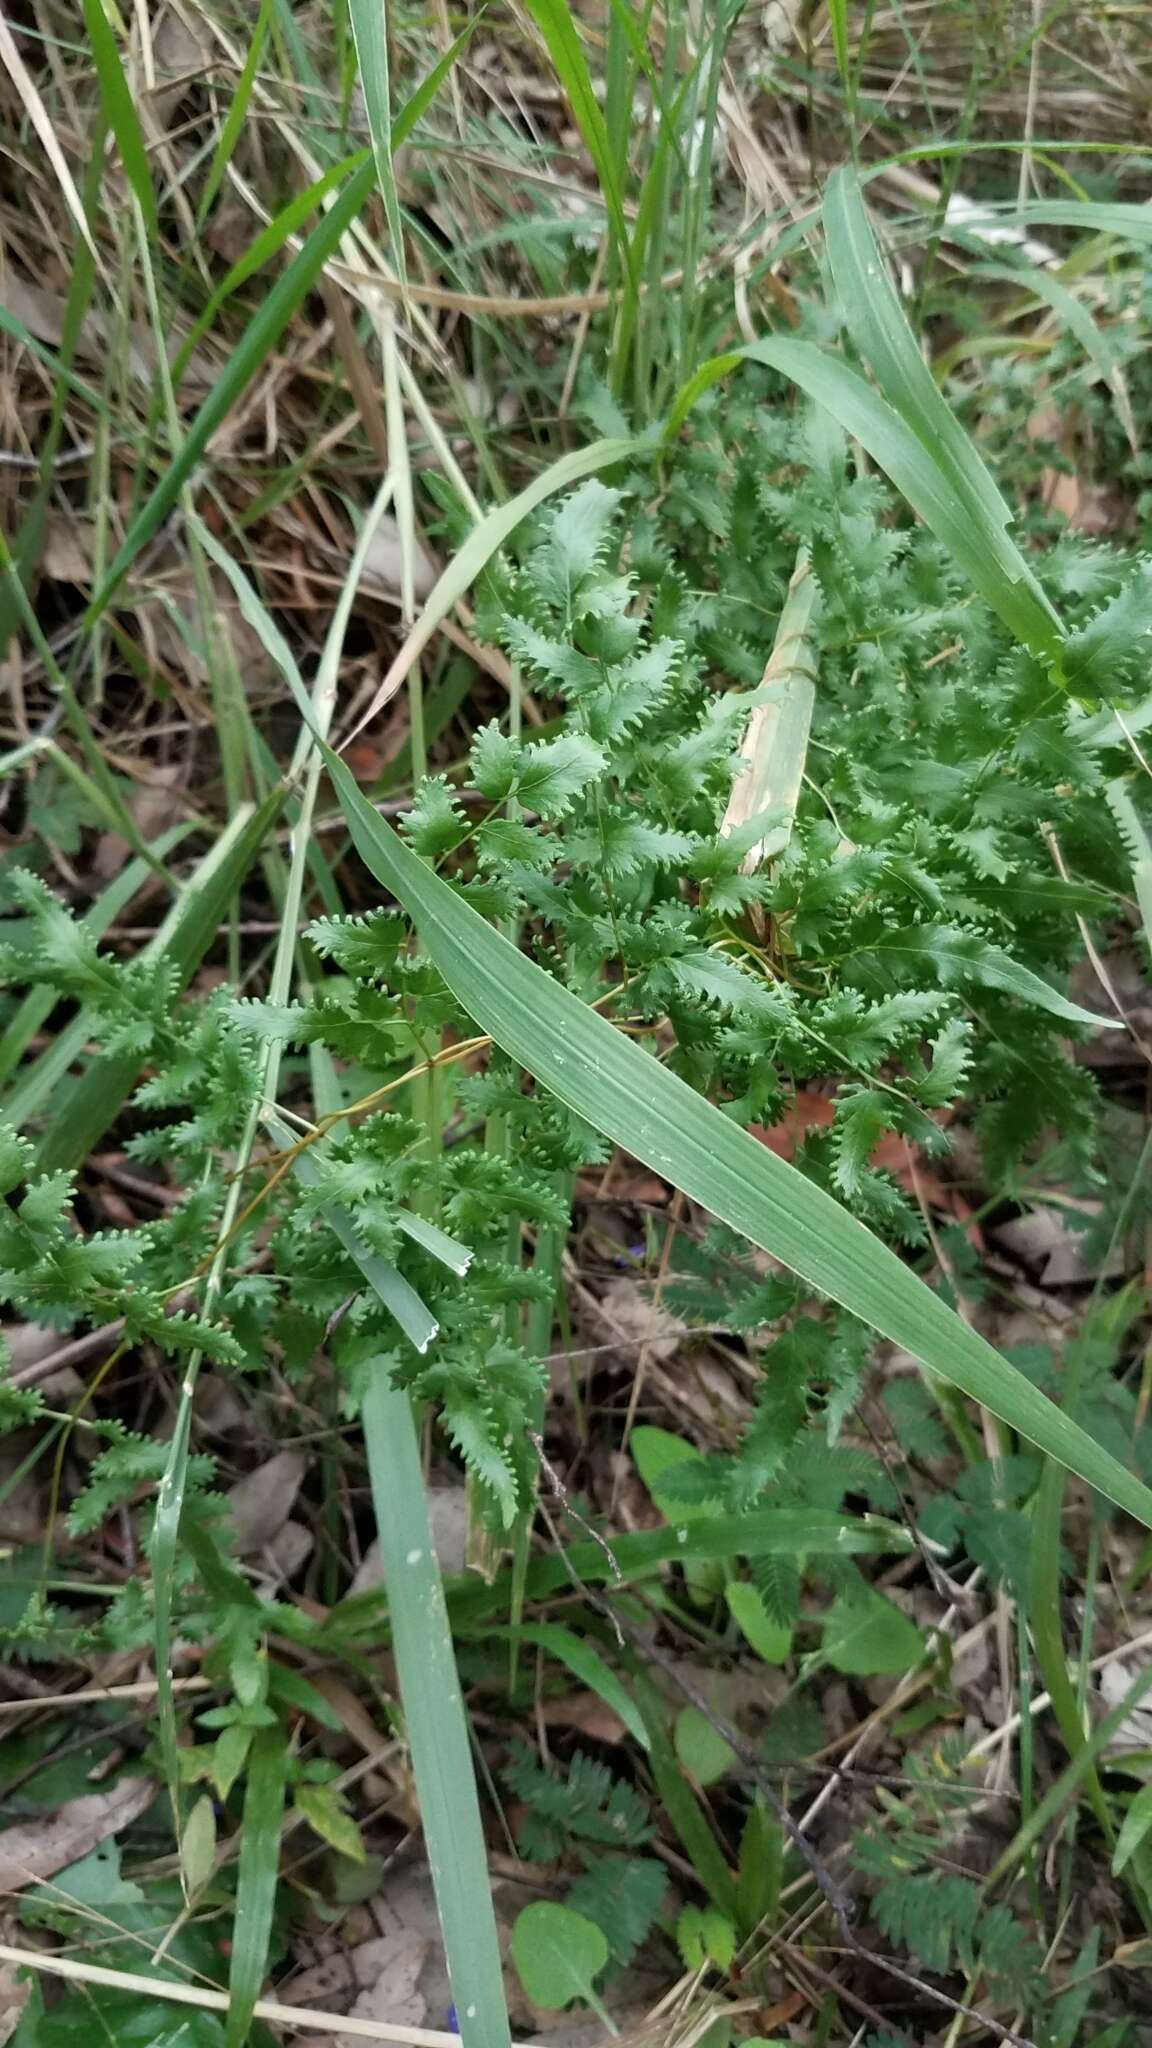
(297,2016)
(775,744)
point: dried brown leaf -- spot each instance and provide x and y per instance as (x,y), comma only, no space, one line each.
(262,1501)
(34,1850)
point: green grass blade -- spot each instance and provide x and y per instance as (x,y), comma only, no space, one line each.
(256,614)
(256,1879)
(262,248)
(51,361)
(435,1717)
(980,545)
(880,328)
(1065,1787)
(584,1661)
(370,29)
(679,1799)
(419,101)
(236,115)
(628,1096)
(555,21)
(764,1532)
(482,543)
(251,350)
(120,108)
(1103,217)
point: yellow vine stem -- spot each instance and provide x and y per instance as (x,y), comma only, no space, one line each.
(285,1160)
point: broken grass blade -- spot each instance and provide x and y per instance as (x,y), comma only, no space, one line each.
(435,1717)
(449,1250)
(775,744)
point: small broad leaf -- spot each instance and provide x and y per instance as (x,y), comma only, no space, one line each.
(198,1846)
(770,1639)
(659,1451)
(557,1953)
(701,1748)
(866,1634)
(229,1756)
(705,1935)
(326,1813)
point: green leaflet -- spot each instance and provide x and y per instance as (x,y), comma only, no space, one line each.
(626,1094)
(184,937)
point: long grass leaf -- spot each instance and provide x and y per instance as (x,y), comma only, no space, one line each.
(434,1716)
(482,543)
(981,547)
(370,28)
(631,1098)
(557,25)
(41,121)
(886,341)
(263,247)
(235,117)
(120,107)
(762,1532)
(256,1879)
(251,350)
